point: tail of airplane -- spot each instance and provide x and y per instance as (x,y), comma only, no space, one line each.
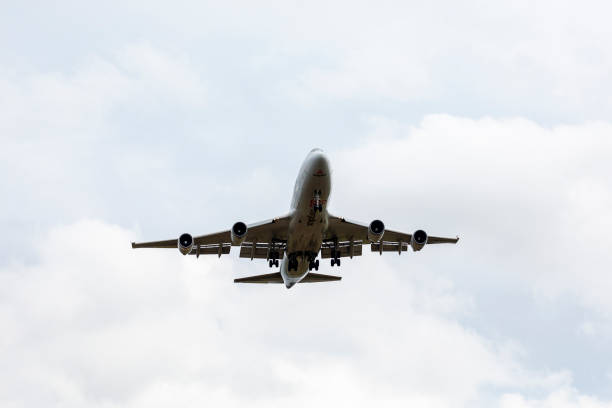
(277,278)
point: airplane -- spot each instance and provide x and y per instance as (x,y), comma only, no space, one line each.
(297,238)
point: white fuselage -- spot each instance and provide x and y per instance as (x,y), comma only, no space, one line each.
(307,226)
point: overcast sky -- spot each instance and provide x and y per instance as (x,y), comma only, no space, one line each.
(131,120)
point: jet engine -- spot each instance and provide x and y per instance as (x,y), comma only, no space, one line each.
(418,241)
(376,231)
(185,243)
(238,233)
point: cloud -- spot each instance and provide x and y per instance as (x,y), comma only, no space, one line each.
(565,397)
(41,104)
(95,323)
(548,62)
(177,117)
(60,133)
(531,203)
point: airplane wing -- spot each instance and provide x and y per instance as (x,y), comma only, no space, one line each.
(267,232)
(351,235)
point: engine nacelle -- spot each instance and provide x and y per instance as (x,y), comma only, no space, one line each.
(376,231)
(185,243)
(418,241)
(238,233)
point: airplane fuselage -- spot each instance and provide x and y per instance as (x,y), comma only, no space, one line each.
(294,240)
(309,217)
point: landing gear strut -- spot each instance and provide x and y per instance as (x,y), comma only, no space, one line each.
(317,204)
(293,263)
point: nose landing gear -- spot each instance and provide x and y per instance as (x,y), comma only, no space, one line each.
(317,203)
(292,263)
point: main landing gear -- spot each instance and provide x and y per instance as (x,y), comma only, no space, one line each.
(273,261)
(292,261)
(313,265)
(335,258)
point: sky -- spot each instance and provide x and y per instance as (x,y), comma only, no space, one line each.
(135,121)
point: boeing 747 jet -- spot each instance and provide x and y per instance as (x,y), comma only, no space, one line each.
(299,238)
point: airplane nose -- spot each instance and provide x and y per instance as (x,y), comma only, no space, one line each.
(319,161)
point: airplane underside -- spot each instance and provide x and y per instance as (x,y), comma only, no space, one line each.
(294,242)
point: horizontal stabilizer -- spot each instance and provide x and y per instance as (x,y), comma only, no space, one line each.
(277,278)
(267,278)
(318,277)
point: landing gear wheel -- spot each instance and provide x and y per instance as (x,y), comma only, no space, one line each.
(316,265)
(276,263)
(338,262)
(270,263)
(333,262)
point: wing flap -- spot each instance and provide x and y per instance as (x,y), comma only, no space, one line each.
(222,249)
(389,246)
(260,251)
(343,250)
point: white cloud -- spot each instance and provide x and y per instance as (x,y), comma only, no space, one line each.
(565,397)
(531,203)
(95,323)
(175,114)
(40,105)
(60,130)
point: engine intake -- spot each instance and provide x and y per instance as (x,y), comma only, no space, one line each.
(185,243)
(376,231)
(238,233)
(418,241)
